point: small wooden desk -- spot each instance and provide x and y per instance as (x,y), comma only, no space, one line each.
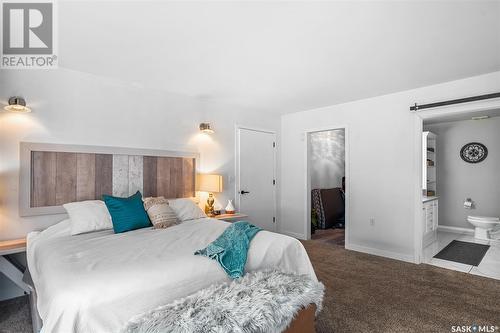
(230,217)
(7,267)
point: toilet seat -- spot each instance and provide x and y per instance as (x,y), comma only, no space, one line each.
(483,218)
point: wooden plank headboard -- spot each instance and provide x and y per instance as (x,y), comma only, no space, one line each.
(52,175)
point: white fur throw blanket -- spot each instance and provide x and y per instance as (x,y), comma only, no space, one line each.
(259,302)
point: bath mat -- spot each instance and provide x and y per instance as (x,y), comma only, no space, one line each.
(463,252)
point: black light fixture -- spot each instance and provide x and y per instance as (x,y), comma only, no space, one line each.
(17,104)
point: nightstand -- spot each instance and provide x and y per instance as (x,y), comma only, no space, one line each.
(8,266)
(230,217)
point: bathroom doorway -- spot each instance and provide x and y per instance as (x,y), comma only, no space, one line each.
(460,181)
(327,189)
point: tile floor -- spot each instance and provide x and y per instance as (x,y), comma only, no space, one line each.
(489,266)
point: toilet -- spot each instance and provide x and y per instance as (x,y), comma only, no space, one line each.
(484,226)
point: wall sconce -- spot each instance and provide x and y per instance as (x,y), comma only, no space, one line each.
(17,104)
(205,128)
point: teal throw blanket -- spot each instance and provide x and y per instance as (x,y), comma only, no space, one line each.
(230,249)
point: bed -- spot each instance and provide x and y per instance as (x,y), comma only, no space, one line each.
(96,282)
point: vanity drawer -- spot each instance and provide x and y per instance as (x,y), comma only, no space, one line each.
(430,216)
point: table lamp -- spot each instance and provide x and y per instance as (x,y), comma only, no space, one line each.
(211,184)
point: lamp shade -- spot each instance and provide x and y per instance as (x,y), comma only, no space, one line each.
(209,183)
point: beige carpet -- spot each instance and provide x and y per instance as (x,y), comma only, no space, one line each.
(366,293)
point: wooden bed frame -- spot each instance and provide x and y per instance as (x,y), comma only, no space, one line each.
(304,322)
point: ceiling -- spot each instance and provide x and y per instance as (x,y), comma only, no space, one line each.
(281,56)
(462,116)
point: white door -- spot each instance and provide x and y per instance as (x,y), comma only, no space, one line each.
(256,182)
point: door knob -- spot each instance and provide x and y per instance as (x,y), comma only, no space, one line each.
(244,192)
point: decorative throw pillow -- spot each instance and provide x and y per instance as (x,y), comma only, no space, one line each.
(88,216)
(186,209)
(127,213)
(160,213)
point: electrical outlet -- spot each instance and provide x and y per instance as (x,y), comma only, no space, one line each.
(372,221)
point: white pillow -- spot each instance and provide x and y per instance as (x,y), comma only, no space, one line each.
(88,216)
(186,209)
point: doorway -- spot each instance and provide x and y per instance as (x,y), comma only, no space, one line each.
(327,199)
(256,176)
(460,185)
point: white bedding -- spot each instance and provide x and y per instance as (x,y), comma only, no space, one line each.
(96,282)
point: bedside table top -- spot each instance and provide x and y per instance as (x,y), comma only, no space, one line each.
(230,216)
(12,246)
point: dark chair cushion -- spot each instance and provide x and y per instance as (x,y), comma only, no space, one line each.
(333,206)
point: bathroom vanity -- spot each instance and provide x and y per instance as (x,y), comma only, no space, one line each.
(429,219)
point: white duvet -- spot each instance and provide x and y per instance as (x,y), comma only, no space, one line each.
(96,282)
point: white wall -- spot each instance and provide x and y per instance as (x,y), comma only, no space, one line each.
(327,158)
(384,166)
(457,180)
(78,108)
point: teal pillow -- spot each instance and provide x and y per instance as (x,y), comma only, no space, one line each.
(127,213)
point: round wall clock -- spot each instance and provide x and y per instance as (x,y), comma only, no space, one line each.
(474,152)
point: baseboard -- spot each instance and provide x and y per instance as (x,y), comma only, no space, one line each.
(457,230)
(381,253)
(293,234)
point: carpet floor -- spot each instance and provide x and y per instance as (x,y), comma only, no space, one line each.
(15,316)
(331,236)
(366,293)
